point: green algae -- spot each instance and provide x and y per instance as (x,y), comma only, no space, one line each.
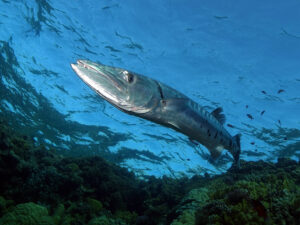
(95,205)
(103,220)
(27,214)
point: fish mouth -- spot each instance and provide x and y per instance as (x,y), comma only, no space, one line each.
(106,81)
(84,69)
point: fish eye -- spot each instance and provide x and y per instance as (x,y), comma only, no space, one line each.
(128,77)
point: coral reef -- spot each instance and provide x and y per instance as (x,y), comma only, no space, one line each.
(41,186)
(27,214)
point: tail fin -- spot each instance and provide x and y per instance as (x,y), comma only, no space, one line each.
(236,150)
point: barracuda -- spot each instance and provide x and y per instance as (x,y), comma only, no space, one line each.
(141,96)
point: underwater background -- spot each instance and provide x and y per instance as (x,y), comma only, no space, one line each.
(69,157)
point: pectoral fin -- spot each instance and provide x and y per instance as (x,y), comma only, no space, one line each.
(174,125)
(174,102)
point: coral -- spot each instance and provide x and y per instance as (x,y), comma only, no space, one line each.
(194,200)
(27,214)
(256,190)
(199,195)
(211,213)
(2,204)
(186,218)
(103,220)
(5,205)
(295,208)
(237,195)
(126,216)
(73,167)
(90,190)
(259,193)
(95,206)
(60,217)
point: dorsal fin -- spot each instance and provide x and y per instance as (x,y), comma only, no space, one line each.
(217,113)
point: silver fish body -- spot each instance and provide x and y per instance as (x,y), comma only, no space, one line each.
(141,96)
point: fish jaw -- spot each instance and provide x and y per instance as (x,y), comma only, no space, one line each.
(128,91)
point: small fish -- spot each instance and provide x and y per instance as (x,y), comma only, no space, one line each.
(252,143)
(229,125)
(279,122)
(247,106)
(264,92)
(250,116)
(279,91)
(221,17)
(262,113)
(285,138)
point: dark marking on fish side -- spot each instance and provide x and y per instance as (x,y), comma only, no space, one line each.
(262,112)
(216,135)
(208,133)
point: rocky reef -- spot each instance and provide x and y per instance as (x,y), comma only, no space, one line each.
(43,186)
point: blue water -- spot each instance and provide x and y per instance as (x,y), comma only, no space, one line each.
(241,55)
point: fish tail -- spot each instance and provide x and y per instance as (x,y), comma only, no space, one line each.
(236,150)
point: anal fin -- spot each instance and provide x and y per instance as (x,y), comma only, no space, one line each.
(216,151)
